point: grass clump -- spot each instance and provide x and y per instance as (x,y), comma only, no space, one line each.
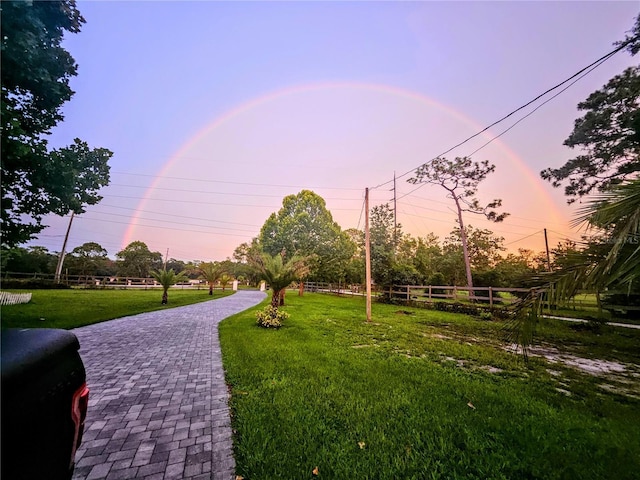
(427,395)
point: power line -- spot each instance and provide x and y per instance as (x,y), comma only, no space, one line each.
(163,228)
(523,238)
(214,193)
(598,61)
(236,183)
(180,216)
(173,222)
(538,107)
(361,212)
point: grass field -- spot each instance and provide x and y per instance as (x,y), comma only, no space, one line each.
(75,308)
(421,394)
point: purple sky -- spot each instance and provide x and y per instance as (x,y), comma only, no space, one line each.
(226,107)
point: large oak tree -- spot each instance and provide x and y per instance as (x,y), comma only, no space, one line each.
(35,71)
(304,227)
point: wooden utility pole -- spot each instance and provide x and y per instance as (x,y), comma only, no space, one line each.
(395,215)
(62,252)
(166,259)
(367,252)
(546,244)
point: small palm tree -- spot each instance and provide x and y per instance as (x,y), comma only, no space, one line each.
(225,278)
(279,274)
(211,273)
(167,279)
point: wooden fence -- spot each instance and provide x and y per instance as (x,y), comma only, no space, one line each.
(7,298)
(95,281)
(427,293)
(497,296)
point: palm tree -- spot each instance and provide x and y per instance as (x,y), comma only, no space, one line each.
(616,212)
(611,261)
(167,279)
(225,278)
(211,272)
(279,274)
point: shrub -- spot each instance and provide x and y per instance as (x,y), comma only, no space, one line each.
(271,317)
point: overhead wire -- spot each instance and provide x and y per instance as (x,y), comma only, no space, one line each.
(237,183)
(214,193)
(598,61)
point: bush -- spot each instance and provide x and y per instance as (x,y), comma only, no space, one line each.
(271,317)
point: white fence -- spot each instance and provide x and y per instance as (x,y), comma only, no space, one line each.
(7,298)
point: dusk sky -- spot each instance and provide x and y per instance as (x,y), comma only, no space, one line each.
(217,110)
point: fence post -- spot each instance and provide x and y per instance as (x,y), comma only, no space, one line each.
(491,298)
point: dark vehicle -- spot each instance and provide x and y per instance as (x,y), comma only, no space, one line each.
(44,403)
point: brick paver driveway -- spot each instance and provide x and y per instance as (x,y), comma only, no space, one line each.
(158,403)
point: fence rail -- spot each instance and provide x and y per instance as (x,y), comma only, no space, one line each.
(7,298)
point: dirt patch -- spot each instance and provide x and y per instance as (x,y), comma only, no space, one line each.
(619,377)
(592,366)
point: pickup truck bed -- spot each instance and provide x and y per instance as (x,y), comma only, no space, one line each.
(44,403)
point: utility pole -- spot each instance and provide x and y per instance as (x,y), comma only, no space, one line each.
(62,252)
(367,252)
(546,244)
(166,259)
(395,215)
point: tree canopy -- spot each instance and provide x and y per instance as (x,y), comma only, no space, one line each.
(304,227)
(87,259)
(136,260)
(607,135)
(35,73)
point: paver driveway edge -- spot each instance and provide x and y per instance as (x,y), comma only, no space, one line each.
(158,407)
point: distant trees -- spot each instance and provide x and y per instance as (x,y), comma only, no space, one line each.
(33,259)
(87,259)
(136,260)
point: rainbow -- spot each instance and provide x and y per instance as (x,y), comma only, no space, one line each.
(270,97)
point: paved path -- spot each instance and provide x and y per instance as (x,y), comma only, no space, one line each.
(158,402)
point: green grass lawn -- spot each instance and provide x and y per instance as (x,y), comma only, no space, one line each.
(75,308)
(420,394)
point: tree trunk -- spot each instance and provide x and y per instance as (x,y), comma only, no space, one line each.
(465,248)
(165,297)
(210,289)
(275,299)
(301,289)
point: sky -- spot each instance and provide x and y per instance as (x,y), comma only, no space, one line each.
(215,111)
